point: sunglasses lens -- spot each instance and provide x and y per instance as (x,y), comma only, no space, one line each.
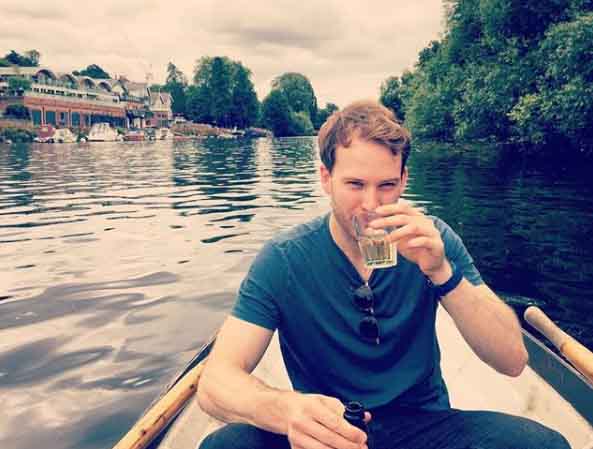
(364,298)
(369,328)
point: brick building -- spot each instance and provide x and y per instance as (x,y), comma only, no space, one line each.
(66,100)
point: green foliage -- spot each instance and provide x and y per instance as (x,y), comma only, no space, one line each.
(29,59)
(17,135)
(197,107)
(277,115)
(521,18)
(290,109)
(560,109)
(507,70)
(17,111)
(17,85)
(299,92)
(567,52)
(176,85)
(302,124)
(323,114)
(223,94)
(391,90)
(221,85)
(93,71)
(429,113)
(244,104)
(174,75)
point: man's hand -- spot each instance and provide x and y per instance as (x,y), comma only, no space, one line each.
(418,240)
(316,422)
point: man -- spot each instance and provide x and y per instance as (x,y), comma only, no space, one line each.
(350,333)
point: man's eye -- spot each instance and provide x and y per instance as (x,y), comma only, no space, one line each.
(355,183)
(388,185)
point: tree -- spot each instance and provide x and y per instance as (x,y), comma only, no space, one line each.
(17,111)
(220,83)
(33,56)
(391,96)
(223,93)
(17,85)
(302,125)
(174,75)
(277,115)
(560,109)
(508,70)
(30,59)
(298,91)
(198,104)
(93,71)
(177,86)
(526,18)
(244,104)
(323,114)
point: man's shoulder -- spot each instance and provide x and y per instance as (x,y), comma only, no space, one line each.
(301,234)
(444,228)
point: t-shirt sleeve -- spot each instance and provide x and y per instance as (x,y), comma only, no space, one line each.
(266,280)
(457,253)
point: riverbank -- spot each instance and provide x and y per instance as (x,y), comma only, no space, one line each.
(12,130)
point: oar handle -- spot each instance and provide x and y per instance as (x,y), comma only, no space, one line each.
(576,353)
(157,418)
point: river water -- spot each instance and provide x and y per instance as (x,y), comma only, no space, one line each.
(118,261)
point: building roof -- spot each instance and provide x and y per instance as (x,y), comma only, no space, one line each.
(132,88)
(136,89)
(25,71)
(161,100)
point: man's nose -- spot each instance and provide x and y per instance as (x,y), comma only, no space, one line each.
(371,199)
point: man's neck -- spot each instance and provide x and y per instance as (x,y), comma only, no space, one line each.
(349,247)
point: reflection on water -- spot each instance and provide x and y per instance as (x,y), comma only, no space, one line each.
(118,261)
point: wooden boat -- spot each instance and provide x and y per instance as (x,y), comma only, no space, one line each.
(549,391)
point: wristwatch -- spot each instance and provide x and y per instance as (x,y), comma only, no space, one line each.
(450,285)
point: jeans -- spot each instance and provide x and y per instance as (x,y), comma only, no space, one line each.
(416,429)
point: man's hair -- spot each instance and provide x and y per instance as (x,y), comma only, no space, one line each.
(368,120)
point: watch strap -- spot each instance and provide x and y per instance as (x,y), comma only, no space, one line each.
(450,285)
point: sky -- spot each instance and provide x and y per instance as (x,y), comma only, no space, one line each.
(346,49)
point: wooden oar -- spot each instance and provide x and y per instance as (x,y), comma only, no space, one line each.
(157,418)
(576,353)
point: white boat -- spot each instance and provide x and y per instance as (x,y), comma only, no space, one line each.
(63,135)
(103,132)
(549,391)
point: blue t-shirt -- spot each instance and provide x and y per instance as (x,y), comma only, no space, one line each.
(302,284)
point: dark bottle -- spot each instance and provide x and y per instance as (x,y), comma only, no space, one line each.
(354,414)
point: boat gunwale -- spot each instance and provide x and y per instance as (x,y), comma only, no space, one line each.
(549,366)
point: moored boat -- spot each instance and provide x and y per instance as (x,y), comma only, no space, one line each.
(45,134)
(63,135)
(103,132)
(549,391)
(134,135)
(164,134)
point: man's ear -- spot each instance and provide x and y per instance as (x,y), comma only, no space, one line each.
(325,177)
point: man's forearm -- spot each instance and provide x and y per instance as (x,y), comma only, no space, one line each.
(235,396)
(489,326)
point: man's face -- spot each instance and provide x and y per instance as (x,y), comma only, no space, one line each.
(365,176)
